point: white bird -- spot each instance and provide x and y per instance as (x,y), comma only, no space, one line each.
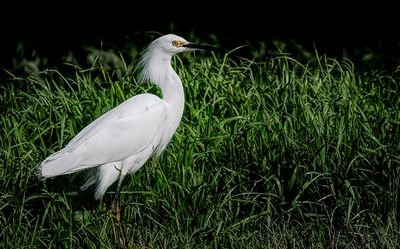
(119,142)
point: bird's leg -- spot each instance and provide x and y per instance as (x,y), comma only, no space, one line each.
(115,205)
(116,211)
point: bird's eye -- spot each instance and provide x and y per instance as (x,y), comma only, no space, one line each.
(175,43)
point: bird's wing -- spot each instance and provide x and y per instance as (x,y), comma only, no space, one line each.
(124,131)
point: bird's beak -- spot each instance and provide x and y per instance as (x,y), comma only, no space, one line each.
(200,47)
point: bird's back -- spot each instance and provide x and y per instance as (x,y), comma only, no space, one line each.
(125,130)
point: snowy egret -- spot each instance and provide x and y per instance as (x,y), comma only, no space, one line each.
(119,142)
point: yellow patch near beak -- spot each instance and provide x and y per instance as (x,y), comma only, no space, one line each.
(178,43)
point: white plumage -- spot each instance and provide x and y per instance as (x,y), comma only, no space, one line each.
(120,141)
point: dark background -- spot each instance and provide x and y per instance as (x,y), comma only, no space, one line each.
(52,28)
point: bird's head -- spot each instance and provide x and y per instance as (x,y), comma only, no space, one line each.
(160,51)
(173,44)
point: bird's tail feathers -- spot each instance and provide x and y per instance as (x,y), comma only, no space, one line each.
(60,163)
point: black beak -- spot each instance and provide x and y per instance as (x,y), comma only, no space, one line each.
(201,47)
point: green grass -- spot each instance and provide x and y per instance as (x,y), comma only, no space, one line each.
(271,153)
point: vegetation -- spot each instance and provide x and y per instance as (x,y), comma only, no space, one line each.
(271,153)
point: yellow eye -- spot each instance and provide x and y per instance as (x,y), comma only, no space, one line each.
(175,43)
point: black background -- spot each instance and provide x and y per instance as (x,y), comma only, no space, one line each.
(51,28)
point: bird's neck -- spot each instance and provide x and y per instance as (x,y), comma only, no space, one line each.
(172,88)
(171,85)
